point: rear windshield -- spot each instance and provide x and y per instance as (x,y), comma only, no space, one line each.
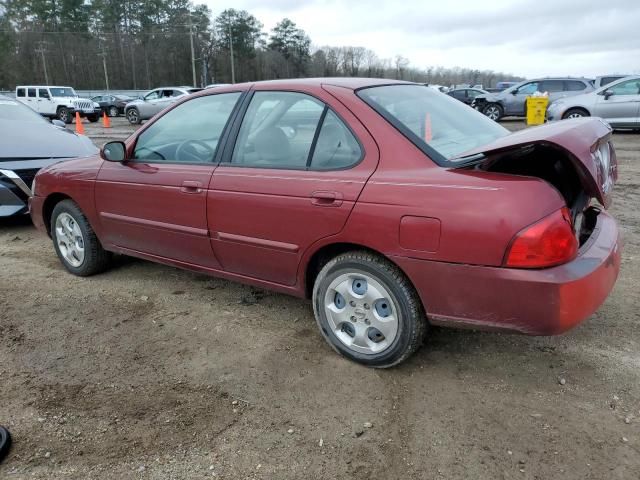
(14,111)
(439,125)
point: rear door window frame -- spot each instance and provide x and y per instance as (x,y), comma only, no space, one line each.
(230,142)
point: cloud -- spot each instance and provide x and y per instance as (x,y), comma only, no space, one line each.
(525,37)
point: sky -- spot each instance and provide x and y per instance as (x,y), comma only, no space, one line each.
(529,38)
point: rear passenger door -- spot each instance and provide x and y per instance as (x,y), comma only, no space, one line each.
(555,89)
(290,176)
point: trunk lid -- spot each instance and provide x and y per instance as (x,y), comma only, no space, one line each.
(584,141)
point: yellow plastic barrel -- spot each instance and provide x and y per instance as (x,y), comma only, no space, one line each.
(536,110)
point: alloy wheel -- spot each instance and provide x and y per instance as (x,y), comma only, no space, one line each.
(492,112)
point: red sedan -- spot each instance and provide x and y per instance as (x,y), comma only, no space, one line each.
(392,206)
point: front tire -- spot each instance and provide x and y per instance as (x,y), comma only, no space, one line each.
(75,242)
(494,111)
(113,111)
(64,114)
(133,116)
(93,118)
(5,442)
(368,310)
(575,113)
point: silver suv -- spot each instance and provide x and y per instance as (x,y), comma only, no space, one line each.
(153,102)
(512,101)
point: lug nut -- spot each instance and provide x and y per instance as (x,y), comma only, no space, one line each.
(366,306)
(366,320)
(353,319)
(352,303)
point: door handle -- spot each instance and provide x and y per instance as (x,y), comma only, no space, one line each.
(191,186)
(326,199)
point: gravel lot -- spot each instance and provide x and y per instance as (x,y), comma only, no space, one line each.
(151,372)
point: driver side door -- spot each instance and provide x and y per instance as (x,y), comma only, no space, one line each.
(154,203)
(515,102)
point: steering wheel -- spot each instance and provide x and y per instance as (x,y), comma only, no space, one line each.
(188,150)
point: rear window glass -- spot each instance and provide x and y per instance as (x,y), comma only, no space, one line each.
(439,125)
(574,85)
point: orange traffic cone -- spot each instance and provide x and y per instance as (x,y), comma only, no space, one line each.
(106,123)
(79,126)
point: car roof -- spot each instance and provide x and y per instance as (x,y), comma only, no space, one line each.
(42,86)
(352,83)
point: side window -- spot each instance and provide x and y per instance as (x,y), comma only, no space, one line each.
(154,95)
(31,92)
(528,88)
(459,94)
(336,146)
(20,92)
(574,86)
(630,87)
(551,86)
(189,133)
(277,131)
(43,93)
(474,93)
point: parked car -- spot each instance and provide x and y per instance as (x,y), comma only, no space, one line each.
(112,105)
(504,85)
(28,142)
(393,206)
(606,80)
(618,103)
(466,95)
(57,102)
(512,101)
(155,101)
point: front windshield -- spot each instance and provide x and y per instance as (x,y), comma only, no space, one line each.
(436,123)
(62,92)
(16,112)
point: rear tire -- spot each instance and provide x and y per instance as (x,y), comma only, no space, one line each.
(133,116)
(93,118)
(575,113)
(75,242)
(113,111)
(494,111)
(64,114)
(368,310)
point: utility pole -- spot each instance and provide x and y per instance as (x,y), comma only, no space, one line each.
(44,62)
(104,66)
(233,73)
(193,56)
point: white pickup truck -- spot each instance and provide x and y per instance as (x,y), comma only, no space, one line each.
(57,102)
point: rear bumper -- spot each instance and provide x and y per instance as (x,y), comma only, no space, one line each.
(535,302)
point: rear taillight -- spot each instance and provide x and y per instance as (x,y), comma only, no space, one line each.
(549,242)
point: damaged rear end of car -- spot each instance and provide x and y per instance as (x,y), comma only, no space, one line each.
(579,161)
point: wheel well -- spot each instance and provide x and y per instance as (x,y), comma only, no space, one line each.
(322,256)
(48,206)
(577,108)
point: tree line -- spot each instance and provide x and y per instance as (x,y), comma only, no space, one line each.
(126,44)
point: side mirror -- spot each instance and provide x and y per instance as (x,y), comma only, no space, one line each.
(607,93)
(114,152)
(515,92)
(58,123)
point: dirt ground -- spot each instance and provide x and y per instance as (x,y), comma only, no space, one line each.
(149,372)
